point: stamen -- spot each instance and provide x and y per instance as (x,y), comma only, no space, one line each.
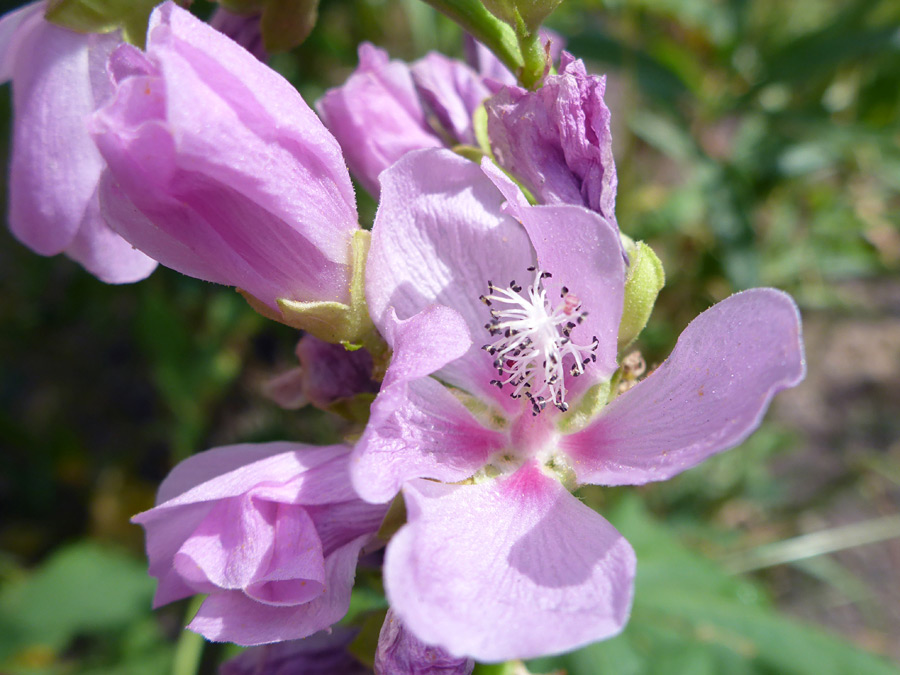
(533,339)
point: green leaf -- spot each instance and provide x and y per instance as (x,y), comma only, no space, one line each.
(83,588)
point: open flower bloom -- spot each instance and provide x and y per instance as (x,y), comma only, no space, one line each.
(271,532)
(388,108)
(218,168)
(58,80)
(502,318)
(557,140)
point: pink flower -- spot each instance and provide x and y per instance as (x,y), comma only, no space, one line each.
(497,559)
(58,81)
(270,532)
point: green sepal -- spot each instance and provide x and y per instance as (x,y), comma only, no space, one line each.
(480,126)
(285,24)
(470,152)
(103,16)
(354,408)
(588,406)
(645,279)
(525,16)
(331,321)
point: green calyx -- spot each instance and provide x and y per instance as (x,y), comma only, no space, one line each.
(587,407)
(644,281)
(335,322)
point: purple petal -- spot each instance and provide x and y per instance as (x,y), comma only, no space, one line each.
(557,140)
(55,165)
(12,33)
(708,396)
(483,60)
(439,238)
(189,493)
(512,568)
(105,254)
(452,92)
(233,617)
(241,181)
(268,550)
(224,464)
(417,427)
(399,651)
(376,116)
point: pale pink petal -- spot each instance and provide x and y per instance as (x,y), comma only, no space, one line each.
(417,427)
(104,253)
(708,396)
(512,568)
(55,165)
(231,616)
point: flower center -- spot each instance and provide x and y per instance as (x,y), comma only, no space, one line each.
(533,339)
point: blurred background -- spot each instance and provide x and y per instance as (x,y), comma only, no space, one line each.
(757,143)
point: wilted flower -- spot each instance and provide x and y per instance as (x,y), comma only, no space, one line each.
(497,559)
(58,80)
(270,532)
(219,169)
(556,140)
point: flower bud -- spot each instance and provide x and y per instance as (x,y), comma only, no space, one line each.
(645,279)
(218,168)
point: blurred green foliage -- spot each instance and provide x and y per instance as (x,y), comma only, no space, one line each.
(756,143)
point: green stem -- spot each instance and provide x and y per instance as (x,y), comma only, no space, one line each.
(472,16)
(535,59)
(189,649)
